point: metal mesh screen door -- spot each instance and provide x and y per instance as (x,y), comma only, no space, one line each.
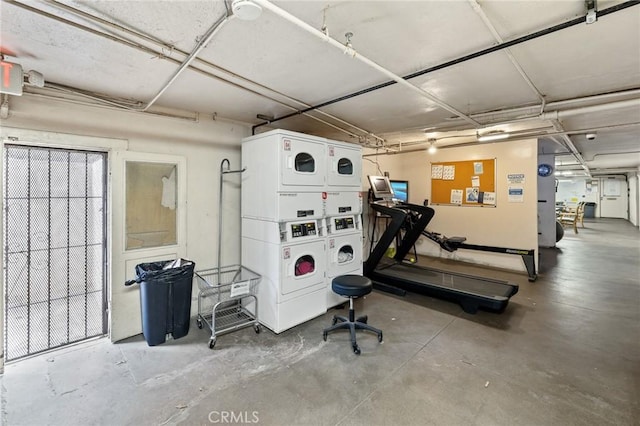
(54,248)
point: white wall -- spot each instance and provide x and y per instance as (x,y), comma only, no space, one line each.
(507,225)
(575,190)
(203,141)
(546,205)
(634,198)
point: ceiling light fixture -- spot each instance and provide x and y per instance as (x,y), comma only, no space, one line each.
(246,10)
(432,148)
(494,135)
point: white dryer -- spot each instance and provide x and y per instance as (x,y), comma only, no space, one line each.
(282,162)
(291,258)
(344,251)
(344,163)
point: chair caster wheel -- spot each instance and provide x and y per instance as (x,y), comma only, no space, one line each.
(324,336)
(212,343)
(380,337)
(334,321)
(356,350)
(363,319)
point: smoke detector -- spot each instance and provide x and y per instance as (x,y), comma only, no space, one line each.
(246,10)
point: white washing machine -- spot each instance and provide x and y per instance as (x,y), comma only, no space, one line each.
(282,162)
(292,260)
(344,162)
(344,251)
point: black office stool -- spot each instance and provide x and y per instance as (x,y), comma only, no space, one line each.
(351,286)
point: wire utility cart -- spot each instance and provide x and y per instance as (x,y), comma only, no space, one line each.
(227,298)
(225,293)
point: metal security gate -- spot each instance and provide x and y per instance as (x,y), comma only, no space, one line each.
(54,247)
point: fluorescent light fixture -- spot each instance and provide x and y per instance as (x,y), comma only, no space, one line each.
(492,136)
(246,10)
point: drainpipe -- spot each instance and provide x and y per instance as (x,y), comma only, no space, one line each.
(311,30)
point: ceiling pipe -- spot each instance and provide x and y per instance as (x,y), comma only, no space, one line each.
(532,111)
(556,115)
(478,9)
(568,143)
(183,65)
(576,21)
(396,78)
(527,134)
(161,44)
(502,117)
(211,32)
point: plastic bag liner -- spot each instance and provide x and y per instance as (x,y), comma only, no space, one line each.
(165,298)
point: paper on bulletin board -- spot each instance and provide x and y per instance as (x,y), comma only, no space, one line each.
(448,172)
(472,195)
(436,171)
(456,196)
(516,194)
(489,198)
(475,181)
(478,168)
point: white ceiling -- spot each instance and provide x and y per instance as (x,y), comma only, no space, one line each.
(584,78)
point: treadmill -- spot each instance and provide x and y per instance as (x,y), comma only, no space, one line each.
(396,274)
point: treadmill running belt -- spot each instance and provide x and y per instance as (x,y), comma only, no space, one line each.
(484,287)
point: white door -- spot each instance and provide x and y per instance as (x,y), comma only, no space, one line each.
(303,265)
(303,164)
(614,198)
(149,224)
(345,166)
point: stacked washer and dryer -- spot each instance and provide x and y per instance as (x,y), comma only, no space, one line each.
(301,223)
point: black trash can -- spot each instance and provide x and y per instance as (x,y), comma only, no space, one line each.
(165,298)
(590,210)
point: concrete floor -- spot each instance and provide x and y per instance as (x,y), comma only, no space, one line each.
(565,352)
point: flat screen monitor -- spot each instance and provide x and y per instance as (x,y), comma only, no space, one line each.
(381,187)
(400,190)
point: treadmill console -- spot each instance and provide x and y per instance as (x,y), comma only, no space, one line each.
(303,229)
(343,223)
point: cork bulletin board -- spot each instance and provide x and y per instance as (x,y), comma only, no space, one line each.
(465,183)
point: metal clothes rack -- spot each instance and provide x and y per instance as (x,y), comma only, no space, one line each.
(226,292)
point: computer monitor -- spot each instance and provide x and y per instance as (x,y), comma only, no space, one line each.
(400,190)
(381,187)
